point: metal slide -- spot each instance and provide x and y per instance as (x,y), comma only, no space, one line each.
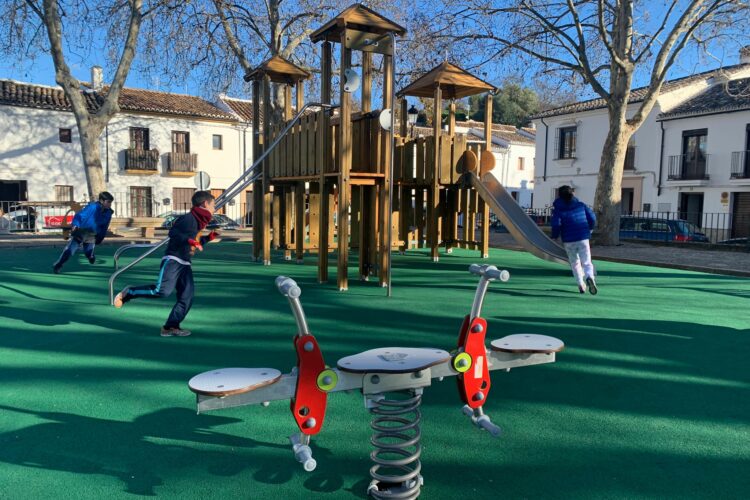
(520,225)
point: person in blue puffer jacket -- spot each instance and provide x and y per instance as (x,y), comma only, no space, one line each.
(573,221)
(88,229)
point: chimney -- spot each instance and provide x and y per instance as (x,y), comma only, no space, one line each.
(745,55)
(97,80)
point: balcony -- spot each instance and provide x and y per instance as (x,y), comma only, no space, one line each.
(182,164)
(141,161)
(740,165)
(688,168)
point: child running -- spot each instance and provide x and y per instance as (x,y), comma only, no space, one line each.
(176,272)
(573,221)
(88,229)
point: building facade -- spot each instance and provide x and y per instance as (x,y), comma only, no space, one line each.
(687,158)
(152,151)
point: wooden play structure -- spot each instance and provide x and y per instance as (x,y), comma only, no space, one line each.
(330,185)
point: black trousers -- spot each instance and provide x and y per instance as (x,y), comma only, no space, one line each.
(172,276)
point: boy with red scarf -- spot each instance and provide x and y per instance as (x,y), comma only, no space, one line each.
(176,271)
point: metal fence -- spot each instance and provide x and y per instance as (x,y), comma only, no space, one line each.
(50,216)
(719,228)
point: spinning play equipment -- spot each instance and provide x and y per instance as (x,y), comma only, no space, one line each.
(392,380)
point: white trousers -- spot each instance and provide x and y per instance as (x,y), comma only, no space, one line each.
(579,256)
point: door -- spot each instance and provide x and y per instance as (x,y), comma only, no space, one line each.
(11,192)
(747,151)
(182,199)
(180,142)
(139,139)
(217,193)
(740,215)
(694,154)
(141,202)
(691,208)
(626,201)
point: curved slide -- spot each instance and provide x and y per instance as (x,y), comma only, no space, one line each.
(520,225)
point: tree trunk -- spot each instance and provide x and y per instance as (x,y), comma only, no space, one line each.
(92,159)
(609,184)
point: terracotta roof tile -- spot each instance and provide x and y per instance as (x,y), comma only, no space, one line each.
(241,107)
(731,96)
(131,100)
(638,94)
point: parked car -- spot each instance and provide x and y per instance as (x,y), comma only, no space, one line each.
(657,229)
(218,221)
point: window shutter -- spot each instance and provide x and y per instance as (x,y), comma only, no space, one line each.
(576,141)
(556,154)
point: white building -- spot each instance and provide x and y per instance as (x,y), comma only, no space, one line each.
(151,151)
(689,157)
(514,150)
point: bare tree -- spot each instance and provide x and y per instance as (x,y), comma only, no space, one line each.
(30,20)
(605,43)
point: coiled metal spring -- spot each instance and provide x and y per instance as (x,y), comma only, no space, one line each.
(396,435)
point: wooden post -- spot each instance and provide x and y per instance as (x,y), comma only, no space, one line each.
(404,201)
(267,195)
(257,185)
(451,218)
(345,165)
(366,82)
(433,195)
(484,207)
(299,190)
(384,230)
(323,151)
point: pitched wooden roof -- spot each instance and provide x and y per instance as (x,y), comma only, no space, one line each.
(454,82)
(280,70)
(358,17)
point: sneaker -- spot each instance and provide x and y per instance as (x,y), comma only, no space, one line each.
(581,289)
(592,286)
(120,297)
(56,269)
(92,260)
(174,332)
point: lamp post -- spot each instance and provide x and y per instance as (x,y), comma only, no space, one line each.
(411,117)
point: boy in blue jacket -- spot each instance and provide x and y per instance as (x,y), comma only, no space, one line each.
(573,221)
(176,272)
(88,229)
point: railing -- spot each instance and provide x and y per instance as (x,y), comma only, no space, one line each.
(182,162)
(688,167)
(740,165)
(36,216)
(139,159)
(664,226)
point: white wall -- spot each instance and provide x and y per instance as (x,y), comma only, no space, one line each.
(508,174)
(30,150)
(726,134)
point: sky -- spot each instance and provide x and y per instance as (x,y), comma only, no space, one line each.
(41,69)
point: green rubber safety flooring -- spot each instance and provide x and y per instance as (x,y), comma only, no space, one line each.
(650,398)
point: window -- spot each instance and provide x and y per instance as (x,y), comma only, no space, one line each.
(141,202)
(521,163)
(139,139)
(694,153)
(218,142)
(180,142)
(64,193)
(630,155)
(567,143)
(181,199)
(66,135)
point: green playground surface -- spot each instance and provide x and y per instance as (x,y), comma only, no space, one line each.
(650,398)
